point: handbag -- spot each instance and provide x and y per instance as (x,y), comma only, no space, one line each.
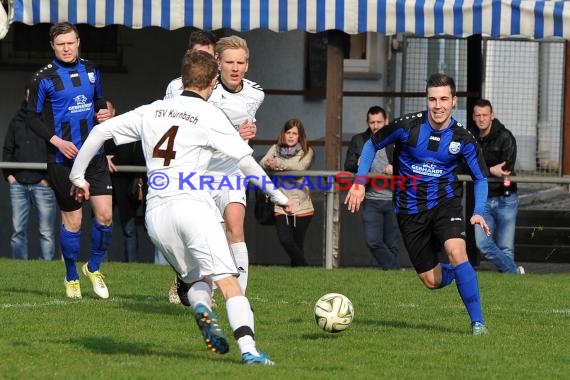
(264,209)
(136,190)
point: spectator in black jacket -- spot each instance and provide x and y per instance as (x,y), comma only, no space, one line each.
(499,148)
(28,188)
(381,230)
(129,189)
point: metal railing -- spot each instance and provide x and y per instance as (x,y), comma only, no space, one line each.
(329,189)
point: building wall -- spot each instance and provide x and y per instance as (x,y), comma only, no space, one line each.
(277,61)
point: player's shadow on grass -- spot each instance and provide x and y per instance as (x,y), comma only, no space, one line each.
(320,335)
(30,291)
(152,307)
(87,293)
(110,346)
(399,324)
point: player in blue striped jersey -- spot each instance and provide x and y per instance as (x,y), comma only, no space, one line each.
(430,149)
(65,103)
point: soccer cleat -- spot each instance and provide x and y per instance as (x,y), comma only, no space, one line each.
(72,288)
(173,293)
(249,358)
(182,289)
(96,278)
(479,328)
(211,332)
(520,270)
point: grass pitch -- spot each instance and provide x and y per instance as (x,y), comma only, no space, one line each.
(400,331)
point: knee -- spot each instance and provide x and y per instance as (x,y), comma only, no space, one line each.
(431,279)
(430,284)
(72,225)
(457,254)
(235,233)
(229,287)
(286,240)
(105,218)
(483,242)
(372,243)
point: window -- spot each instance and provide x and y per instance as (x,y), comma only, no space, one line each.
(363,59)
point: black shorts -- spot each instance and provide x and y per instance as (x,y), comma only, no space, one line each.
(425,233)
(97,174)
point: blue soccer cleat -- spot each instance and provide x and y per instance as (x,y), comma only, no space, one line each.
(248,358)
(211,332)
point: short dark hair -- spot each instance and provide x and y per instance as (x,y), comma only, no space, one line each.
(375,110)
(62,28)
(483,103)
(198,69)
(201,37)
(441,80)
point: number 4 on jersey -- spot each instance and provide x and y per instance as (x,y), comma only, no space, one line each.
(168,153)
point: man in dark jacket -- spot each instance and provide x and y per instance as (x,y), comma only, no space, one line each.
(378,218)
(129,189)
(500,152)
(28,188)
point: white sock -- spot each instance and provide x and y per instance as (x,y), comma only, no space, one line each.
(239,250)
(240,317)
(200,293)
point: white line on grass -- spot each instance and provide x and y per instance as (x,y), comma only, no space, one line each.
(31,305)
(49,303)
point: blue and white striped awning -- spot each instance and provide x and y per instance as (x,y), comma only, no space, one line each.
(459,18)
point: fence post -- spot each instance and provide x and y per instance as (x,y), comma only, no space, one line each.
(329,226)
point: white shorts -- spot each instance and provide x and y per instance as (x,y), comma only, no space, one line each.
(188,233)
(225,196)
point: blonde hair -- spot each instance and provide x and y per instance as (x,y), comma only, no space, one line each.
(231,42)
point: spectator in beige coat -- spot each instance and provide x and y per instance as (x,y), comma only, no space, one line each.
(292,152)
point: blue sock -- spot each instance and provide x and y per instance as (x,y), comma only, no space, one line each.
(100,237)
(69,243)
(447,275)
(468,287)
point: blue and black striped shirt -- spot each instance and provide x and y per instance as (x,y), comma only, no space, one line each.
(428,161)
(62,102)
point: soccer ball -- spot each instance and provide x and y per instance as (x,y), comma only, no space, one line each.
(334,312)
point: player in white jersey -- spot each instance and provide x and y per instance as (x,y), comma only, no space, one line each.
(179,137)
(199,40)
(239,98)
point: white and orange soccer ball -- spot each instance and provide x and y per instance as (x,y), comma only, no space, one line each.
(334,312)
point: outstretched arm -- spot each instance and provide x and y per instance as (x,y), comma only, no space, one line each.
(251,168)
(481,189)
(80,187)
(355,195)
